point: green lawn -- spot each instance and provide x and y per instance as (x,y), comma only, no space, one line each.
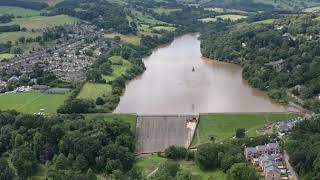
(41,22)
(6,56)
(129,118)
(32,102)
(17,11)
(94,90)
(223,126)
(149,163)
(14,36)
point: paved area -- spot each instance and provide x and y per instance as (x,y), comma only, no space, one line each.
(156,133)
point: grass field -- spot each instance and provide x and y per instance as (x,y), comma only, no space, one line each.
(129,118)
(41,22)
(146,19)
(131,39)
(232,17)
(223,126)
(166,28)
(267,21)
(14,36)
(165,10)
(119,66)
(17,11)
(149,163)
(219,10)
(6,56)
(94,90)
(32,102)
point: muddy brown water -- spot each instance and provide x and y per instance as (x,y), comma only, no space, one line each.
(169,86)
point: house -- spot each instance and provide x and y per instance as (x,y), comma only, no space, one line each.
(272,172)
(273,148)
(254,152)
(3,85)
(270,167)
(262,149)
(13,78)
(250,153)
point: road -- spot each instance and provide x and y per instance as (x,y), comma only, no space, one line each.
(289,167)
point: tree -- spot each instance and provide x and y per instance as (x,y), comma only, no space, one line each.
(240,133)
(242,171)
(183,175)
(24,160)
(90,175)
(207,156)
(61,162)
(100,101)
(174,152)
(81,163)
(6,173)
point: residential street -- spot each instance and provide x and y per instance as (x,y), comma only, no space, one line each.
(289,167)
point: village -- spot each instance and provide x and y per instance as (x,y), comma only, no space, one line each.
(67,59)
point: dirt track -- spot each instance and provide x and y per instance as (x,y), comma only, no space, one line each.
(156,133)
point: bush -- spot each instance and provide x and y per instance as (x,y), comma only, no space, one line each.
(176,153)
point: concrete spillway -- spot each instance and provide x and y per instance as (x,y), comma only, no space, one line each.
(155,133)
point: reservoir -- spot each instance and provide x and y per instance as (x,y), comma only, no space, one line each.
(178,80)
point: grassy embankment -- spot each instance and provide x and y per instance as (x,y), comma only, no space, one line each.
(223,126)
(149,163)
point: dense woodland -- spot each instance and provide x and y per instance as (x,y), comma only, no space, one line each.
(72,147)
(303,148)
(275,56)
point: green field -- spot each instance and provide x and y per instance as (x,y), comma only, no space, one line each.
(219,10)
(149,163)
(41,22)
(49,2)
(119,66)
(129,118)
(232,17)
(146,19)
(165,28)
(32,102)
(223,126)
(17,11)
(6,56)
(131,39)
(14,36)
(94,90)
(165,10)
